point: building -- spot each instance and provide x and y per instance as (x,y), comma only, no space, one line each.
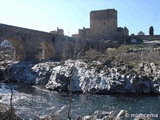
(59,31)
(103,22)
(141,33)
(103,26)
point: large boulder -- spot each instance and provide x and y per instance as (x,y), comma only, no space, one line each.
(37,73)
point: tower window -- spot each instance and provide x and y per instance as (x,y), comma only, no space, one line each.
(104,23)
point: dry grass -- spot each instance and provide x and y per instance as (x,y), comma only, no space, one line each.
(125,55)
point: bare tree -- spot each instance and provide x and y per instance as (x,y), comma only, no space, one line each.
(11,97)
(70,81)
(78,50)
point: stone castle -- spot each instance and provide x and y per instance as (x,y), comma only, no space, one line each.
(103,26)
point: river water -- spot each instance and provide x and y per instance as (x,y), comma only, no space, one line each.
(31,101)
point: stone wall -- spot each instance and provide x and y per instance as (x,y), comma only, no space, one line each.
(84,33)
(148,37)
(143,37)
(103,26)
(103,22)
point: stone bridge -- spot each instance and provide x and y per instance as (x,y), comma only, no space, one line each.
(32,44)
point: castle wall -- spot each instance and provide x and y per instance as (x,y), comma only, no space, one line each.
(103,22)
(75,36)
(84,33)
(103,26)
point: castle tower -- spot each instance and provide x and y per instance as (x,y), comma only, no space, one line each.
(103,22)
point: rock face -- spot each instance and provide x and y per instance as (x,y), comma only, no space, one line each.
(93,77)
(30,72)
(5,113)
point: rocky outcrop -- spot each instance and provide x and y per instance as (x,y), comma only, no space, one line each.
(6,113)
(31,72)
(92,77)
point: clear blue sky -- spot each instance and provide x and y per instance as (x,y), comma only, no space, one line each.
(70,15)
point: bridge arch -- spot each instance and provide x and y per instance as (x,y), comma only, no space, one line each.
(19,47)
(46,51)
